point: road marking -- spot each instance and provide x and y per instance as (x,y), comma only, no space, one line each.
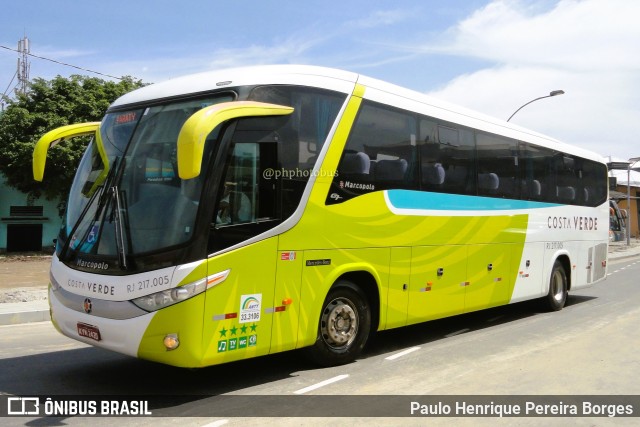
(402,353)
(216,423)
(321,384)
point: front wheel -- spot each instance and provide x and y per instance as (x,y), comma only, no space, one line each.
(558,288)
(344,326)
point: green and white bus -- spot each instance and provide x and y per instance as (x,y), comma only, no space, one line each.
(243,212)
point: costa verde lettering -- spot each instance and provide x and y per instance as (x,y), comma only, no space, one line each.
(99,288)
(573,223)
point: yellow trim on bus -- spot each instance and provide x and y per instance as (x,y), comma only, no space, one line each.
(55,136)
(195,130)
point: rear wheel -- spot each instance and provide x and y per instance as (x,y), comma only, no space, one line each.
(558,288)
(344,326)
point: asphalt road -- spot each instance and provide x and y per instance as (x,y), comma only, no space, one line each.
(591,347)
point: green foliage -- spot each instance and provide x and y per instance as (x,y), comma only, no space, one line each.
(48,105)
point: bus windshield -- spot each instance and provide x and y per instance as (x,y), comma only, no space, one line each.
(142,206)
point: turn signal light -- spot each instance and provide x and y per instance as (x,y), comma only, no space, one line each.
(171,342)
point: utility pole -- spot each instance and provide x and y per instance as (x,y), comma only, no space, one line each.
(23,66)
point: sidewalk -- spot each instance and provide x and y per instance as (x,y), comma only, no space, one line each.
(12,313)
(620,250)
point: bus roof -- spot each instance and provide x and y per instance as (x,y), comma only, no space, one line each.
(342,81)
(233,77)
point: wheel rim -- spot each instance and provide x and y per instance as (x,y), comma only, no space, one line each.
(557,286)
(339,323)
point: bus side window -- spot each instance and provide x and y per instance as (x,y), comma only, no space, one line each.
(432,173)
(537,176)
(256,188)
(594,186)
(498,168)
(380,154)
(300,138)
(246,204)
(447,158)
(236,204)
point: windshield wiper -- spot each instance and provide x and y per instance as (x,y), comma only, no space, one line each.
(67,242)
(109,196)
(102,202)
(119,217)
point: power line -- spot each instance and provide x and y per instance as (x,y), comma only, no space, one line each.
(62,63)
(9,85)
(2,98)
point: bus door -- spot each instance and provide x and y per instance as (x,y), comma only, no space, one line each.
(241,308)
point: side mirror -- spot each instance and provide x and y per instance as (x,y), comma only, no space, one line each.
(54,137)
(195,130)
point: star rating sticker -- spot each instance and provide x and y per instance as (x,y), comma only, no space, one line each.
(223,333)
(233,330)
(243,329)
(253,327)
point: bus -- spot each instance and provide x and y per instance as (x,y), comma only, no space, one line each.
(243,212)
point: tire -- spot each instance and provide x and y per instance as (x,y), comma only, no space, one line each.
(343,327)
(557,296)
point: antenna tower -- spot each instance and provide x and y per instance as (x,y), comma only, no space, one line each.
(23,66)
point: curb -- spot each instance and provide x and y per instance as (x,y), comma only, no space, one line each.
(623,256)
(17,313)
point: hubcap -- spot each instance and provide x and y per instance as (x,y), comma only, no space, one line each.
(339,323)
(557,286)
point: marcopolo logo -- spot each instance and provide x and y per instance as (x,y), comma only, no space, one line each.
(357,186)
(92,264)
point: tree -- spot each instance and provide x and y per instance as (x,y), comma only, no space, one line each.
(48,105)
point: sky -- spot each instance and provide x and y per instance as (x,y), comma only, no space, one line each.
(488,55)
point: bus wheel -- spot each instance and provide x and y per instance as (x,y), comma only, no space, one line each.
(343,329)
(557,296)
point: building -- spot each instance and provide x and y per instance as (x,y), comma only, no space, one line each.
(619,194)
(25,227)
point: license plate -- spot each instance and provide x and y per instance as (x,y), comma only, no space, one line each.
(89,331)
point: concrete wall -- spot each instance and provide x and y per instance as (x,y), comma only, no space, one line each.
(50,220)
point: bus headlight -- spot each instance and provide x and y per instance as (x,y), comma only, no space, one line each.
(169,297)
